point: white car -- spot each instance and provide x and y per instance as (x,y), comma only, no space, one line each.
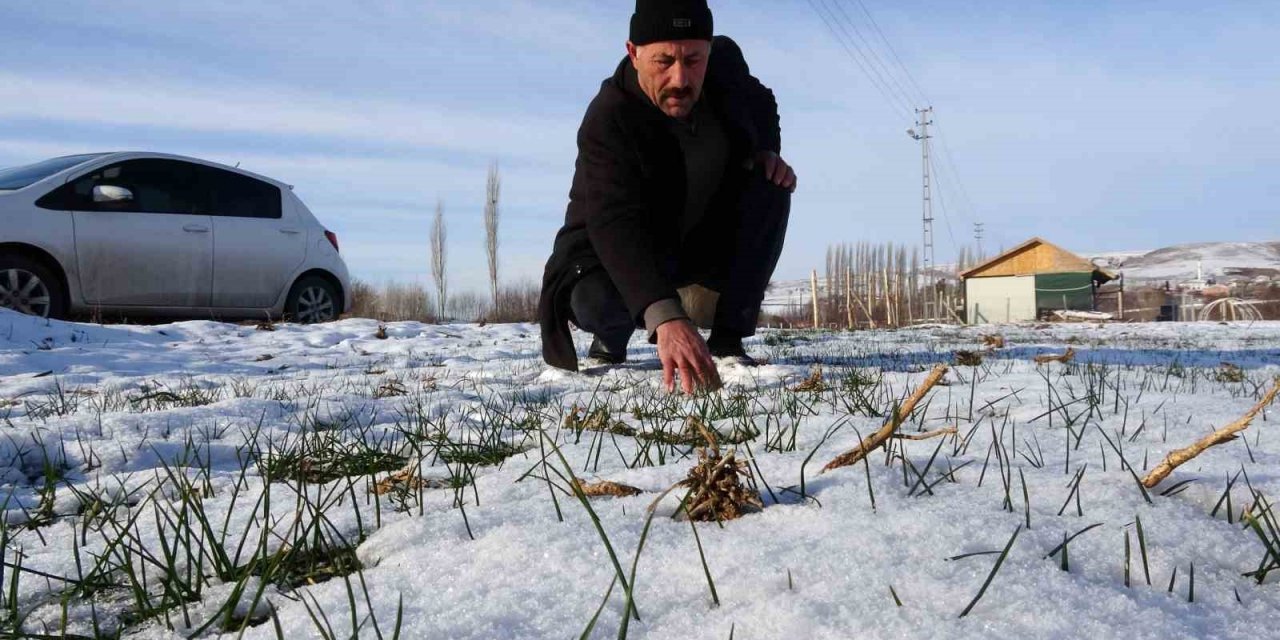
(157,234)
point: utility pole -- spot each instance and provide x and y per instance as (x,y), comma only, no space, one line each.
(923,123)
(977,235)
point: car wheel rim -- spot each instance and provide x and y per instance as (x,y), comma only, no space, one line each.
(24,292)
(315,305)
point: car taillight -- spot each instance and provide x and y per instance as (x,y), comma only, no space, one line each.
(333,239)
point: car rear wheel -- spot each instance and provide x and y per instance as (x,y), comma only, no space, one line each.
(26,286)
(312,300)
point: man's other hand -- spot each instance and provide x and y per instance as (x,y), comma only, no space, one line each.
(681,348)
(776,170)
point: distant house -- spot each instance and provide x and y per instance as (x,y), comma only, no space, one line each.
(1028,280)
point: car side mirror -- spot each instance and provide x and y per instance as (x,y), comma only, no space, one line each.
(111,194)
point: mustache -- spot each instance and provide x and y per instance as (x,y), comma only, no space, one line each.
(681,93)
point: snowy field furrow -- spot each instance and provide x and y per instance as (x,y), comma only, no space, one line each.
(207,479)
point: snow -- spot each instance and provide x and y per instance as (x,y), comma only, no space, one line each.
(73,390)
(1218,260)
(788,294)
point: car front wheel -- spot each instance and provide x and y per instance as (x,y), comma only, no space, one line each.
(312,300)
(26,286)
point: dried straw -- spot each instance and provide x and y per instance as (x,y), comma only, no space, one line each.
(880,437)
(1225,434)
(1064,358)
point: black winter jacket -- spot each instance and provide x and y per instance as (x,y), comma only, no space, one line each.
(628,189)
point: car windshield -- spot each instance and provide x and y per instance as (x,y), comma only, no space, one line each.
(19,177)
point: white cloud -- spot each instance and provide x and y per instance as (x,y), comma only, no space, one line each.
(274,111)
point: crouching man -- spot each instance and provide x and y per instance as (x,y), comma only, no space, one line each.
(678,207)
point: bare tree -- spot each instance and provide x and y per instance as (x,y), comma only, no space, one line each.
(492,190)
(438,259)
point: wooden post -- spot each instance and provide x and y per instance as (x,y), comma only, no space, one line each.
(870,319)
(1120,314)
(888,310)
(866,282)
(897,299)
(813,286)
(848,296)
(911,315)
(951,311)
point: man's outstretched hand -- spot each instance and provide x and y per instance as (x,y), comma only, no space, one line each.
(681,348)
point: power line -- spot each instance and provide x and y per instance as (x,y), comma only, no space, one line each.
(924,98)
(831,23)
(942,203)
(946,155)
(963,199)
(876,63)
(885,77)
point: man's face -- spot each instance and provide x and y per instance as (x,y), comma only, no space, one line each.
(671,73)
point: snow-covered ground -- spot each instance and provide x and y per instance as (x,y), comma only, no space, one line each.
(135,460)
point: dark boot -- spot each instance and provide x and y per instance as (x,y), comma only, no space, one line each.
(601,354)
(725,344)
(598,309)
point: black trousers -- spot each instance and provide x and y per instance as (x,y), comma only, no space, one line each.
(733,252)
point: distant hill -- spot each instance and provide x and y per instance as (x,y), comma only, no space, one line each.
(1221,261)
(788,293)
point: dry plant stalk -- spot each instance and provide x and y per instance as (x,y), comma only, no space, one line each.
(407,479)
(265,326)
(1229,372)
(878,438)
(1065,357)
(606,488)
(597,420)
(993,342)
(402,479)
(1225,434)
(968,359)
(716,490)
(390,389)
(813,382)
(695,423)
(573,419)
(945,431)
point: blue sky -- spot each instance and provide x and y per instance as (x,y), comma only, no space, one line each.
(1101,126)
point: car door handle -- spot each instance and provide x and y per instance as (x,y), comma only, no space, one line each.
(195,228)
(292,232)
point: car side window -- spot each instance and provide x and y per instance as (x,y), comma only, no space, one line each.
(239,196)
(158,186)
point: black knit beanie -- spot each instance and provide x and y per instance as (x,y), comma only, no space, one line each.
(662,20)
